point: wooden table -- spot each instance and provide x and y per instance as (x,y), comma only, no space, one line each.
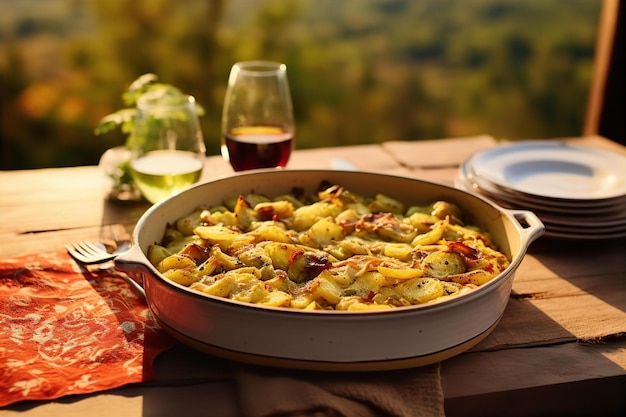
(560,348)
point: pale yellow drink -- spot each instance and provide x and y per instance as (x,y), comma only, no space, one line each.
(161,174)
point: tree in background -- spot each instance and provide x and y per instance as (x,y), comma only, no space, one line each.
(360,71)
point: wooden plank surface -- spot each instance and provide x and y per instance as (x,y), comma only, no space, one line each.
(564,325)
(430,154)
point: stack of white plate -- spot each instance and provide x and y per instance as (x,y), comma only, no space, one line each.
(578,192)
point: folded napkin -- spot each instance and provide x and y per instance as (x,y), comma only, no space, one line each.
(66,330)
(275,393)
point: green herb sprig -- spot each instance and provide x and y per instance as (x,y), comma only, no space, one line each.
(124,118)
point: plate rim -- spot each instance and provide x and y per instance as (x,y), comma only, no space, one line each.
(613,206)
(551,221)
(543,145)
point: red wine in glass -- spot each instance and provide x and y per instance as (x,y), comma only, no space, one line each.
(253,147)
(257,118)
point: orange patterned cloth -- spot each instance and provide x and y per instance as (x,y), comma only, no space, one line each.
(65,330)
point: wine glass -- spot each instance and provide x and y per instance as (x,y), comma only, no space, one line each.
(257,120)
(167,145)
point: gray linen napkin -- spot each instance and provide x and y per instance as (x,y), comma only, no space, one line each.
(267,392)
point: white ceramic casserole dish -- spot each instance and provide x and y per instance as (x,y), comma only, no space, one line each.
(329,340)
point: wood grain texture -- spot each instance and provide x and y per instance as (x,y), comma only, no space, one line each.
(563,329)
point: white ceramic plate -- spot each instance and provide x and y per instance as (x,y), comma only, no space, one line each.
(615,221)
(554,170)
(577,236)
(563,227)
(603,208)
(604,230)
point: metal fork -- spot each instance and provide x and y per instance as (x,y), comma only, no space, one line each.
(88,253)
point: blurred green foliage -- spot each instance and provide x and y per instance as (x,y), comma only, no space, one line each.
(363,71)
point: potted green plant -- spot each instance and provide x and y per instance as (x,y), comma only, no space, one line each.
(115,162)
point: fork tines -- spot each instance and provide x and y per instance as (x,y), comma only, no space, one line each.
(88,253)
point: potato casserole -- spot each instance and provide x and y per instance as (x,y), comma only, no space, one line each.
(336,250)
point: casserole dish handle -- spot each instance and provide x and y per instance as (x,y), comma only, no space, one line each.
(529,225)
(132,264)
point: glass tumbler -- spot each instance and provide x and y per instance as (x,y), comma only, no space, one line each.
(257,120)
(166,145)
